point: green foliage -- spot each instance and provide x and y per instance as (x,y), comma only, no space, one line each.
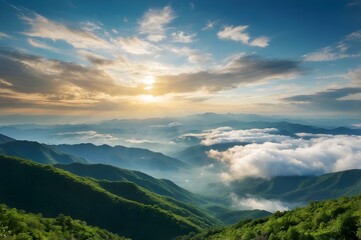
(120,207)
(18,225)
(333,219)
(299,188)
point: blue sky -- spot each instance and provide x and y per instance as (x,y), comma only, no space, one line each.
(161,58)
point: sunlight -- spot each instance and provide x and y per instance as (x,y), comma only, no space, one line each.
(148,98)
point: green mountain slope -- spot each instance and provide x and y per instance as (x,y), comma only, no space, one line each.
(16,224)
(333,219)
(5,139)
(106,172)
(37,152)
(163,187)
(131,158)
(120,207)
(301,188)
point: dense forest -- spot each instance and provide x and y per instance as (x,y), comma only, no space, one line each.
(333,219)
(18,225)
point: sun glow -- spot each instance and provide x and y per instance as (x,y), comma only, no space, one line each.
(148,98)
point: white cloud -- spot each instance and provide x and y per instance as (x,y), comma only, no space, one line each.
(250,203)
(314,156)
(346,48)
(138,141)
(235,33)
(44,28)
(135,45)
(323,55)
(193,55)
(3,35)
(210,25)
(154,22)
(169,125)
(88,135)
(239,34)
(227,135)
(260,42)
(182,37)
(354,36)
(39,44)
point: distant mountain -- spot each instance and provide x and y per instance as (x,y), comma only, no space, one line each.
(228,216)
(332,219)
(299,188)
(197,155)
(5,139)
(37,152)
(106,172)
(120,207)
(16,224)
(123,157)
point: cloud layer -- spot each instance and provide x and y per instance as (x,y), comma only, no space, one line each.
(313,156)
(250,203)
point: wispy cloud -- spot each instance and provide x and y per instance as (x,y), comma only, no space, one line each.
(3,35)
(346,48)
(135,45)
(39,44)
(210,25)
(154,23)
(182,37)
(44,28)
(239,34)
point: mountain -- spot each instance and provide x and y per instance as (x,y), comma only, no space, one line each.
(332,219)
(37,152)
(5,139)
(106,172)
(123,157)
(299,188)
(120,207)
(16,224)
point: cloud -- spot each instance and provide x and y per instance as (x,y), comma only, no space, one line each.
(193,55)
(346,48)
(313,156)
(4,35)
(210,25)
(169,125)
(55,79)
(238,70)
(250,203)
(137,46)
(88,136)
(182,37)
(138,141)
(239,34)
(39,44)
(331,99)
(154,22)
(323,55)
(260,42)
(228,135)
(79,38)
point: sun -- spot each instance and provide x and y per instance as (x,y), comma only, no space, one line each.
(148,81)
(148,98)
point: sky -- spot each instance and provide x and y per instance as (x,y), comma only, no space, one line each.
(124,59)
